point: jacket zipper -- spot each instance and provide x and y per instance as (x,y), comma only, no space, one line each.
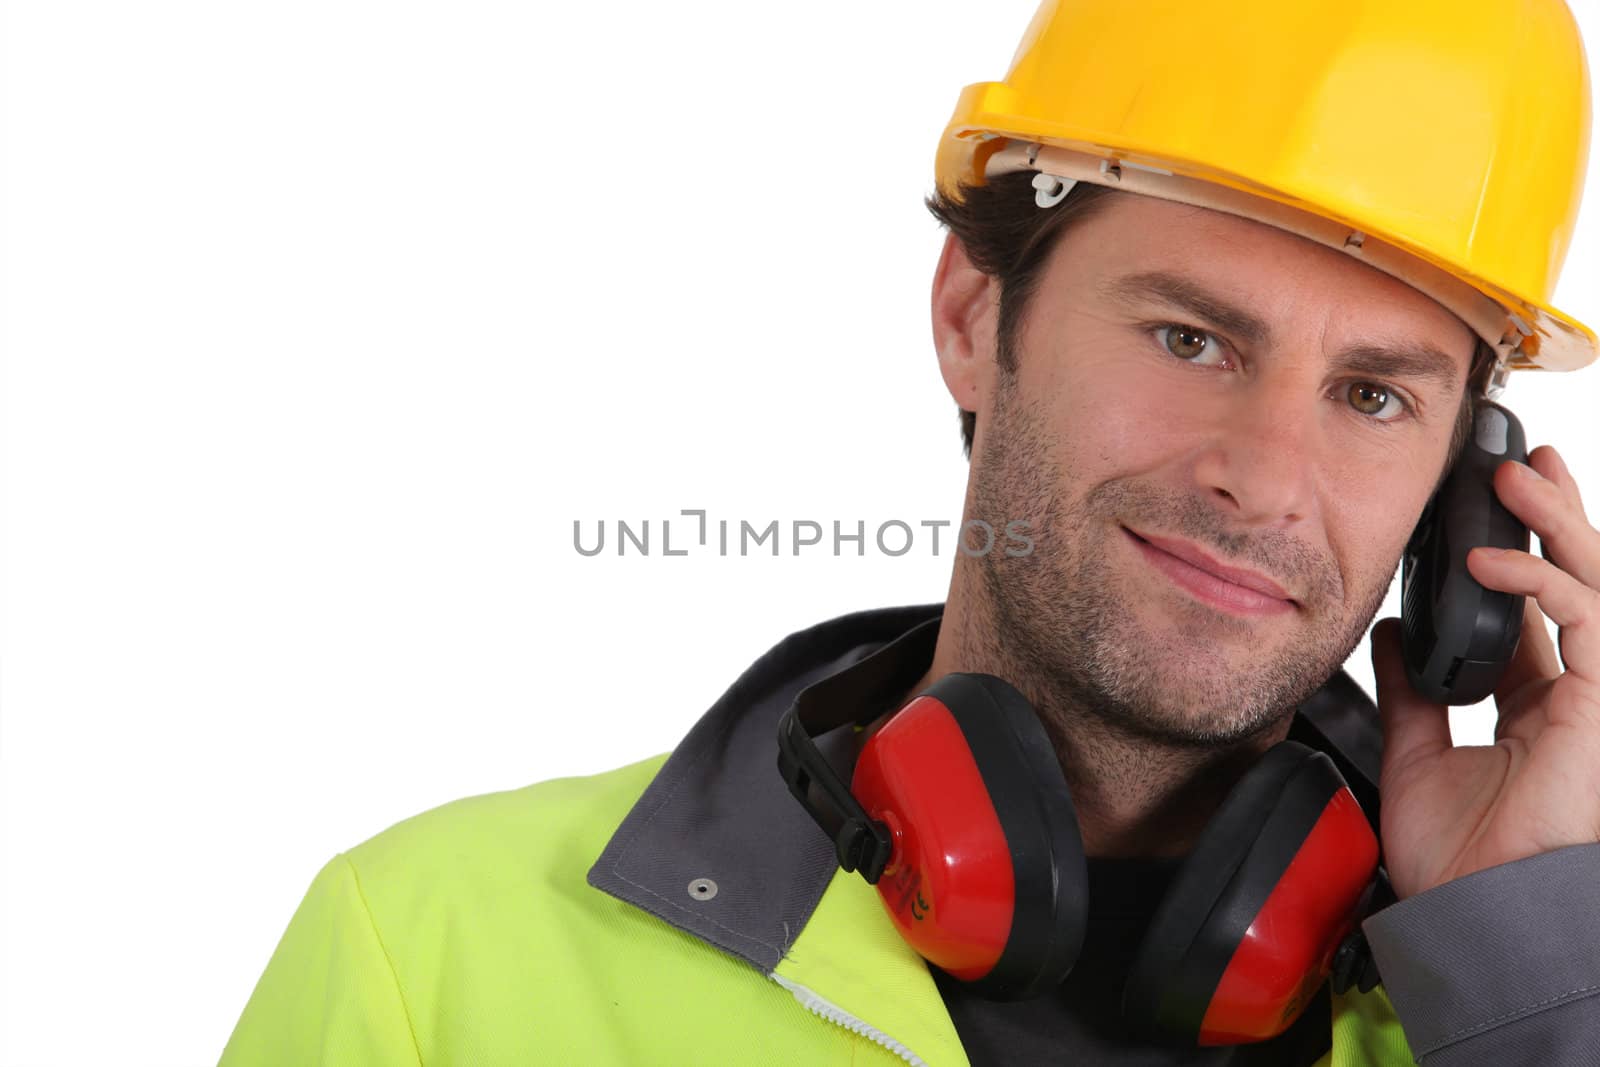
(838,1016)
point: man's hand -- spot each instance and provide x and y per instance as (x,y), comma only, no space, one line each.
(1449,811)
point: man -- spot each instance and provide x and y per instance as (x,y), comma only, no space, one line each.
(1223,287)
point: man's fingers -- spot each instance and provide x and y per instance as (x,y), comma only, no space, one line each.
(1548,462)
(1520,697)
(1535,658)
(1573,606)
(1543,494)
(1413,728)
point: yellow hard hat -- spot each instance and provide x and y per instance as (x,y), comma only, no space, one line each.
(1443,141)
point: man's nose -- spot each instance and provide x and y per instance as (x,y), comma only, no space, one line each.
(1259,467)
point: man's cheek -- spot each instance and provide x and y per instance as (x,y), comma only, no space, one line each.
(1142,436)
(1367,558)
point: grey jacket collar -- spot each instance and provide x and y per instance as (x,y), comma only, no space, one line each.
(718,810)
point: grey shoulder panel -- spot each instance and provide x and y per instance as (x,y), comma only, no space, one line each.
(1501,966)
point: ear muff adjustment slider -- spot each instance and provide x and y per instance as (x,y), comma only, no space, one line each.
(861,842)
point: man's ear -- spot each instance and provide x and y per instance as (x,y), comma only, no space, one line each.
(966,308)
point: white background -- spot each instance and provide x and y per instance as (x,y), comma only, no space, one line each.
(326,320)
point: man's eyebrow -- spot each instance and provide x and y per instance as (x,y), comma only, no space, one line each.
(1410,360)
(1194,298)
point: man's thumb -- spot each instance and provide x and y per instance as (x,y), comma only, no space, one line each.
(1412,726)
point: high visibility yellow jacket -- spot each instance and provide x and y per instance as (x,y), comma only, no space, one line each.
(556,923)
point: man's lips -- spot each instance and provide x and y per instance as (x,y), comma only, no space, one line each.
(1232,587)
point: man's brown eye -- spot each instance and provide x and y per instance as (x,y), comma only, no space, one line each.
(1186,343)
(1370,399)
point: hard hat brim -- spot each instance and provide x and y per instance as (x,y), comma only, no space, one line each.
(1525,333)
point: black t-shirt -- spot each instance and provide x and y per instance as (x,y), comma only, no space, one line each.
(1081,1021)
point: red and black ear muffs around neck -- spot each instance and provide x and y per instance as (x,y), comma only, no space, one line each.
(958,812)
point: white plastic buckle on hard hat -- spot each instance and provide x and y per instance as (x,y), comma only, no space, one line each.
(1495,387)
(1051,190)
(1061,169)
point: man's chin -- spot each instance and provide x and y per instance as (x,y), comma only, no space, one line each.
(1191,647)
(1169,686)
(1192,719)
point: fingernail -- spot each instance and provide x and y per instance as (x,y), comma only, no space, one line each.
(1490,553)
(1525,471)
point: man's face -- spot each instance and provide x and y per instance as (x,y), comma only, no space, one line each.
(1222,435)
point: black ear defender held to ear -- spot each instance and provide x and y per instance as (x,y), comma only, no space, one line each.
(1456,636)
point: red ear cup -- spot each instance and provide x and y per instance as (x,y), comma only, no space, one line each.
(1246,933)
(987,880)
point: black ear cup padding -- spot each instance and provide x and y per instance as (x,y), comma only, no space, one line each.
(1020,771)
(1223,884)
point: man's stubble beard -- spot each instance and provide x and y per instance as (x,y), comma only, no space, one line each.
(1059,623)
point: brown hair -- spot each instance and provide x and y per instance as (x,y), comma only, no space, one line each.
(1009,237)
